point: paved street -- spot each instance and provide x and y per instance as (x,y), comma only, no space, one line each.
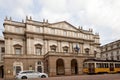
(87,77)
(84,77)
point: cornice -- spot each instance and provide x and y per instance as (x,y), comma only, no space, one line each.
(14,23)
(12,33)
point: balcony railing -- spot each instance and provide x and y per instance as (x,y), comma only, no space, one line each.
(50,53)
(68,54)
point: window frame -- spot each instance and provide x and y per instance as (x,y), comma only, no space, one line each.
(38,49)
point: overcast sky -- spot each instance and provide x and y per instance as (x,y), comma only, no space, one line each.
(101,15)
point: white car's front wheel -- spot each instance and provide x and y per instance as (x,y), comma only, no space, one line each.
(24,77)
(43,76)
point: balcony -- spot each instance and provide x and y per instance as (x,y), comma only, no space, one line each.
(69,54)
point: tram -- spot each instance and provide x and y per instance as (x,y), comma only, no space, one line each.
(91,66)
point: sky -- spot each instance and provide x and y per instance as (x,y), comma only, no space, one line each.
(101,15)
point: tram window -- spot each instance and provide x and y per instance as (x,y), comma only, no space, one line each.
(97,65)
(85,65)
(117,65)
(100,65)
(106,65)
(103,65)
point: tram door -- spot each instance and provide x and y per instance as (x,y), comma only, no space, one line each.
(91,67)
(111,67)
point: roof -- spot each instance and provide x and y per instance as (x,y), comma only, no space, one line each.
(96,60)
(66,23)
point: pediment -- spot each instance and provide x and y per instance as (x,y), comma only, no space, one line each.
(64,25)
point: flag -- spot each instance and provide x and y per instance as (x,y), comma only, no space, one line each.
(77,48)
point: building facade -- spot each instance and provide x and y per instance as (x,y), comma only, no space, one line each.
(54,48)
(2,52)
(111,51)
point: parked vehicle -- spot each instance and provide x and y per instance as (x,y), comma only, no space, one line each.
(91,66)
(30,74)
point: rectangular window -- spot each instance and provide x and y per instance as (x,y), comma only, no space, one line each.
(17,50)
(118,58)
(2,49)
(18,69)
(38,51)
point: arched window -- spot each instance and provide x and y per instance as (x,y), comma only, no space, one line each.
(38,49)
(39,66)
(18,49)
(53,48)
(17,67)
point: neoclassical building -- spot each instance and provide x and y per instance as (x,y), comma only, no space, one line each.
(54,48)
(111,51)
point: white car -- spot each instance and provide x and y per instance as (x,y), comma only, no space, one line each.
(30,74)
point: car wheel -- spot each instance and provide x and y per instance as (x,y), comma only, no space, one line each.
(43,76)
(24,77)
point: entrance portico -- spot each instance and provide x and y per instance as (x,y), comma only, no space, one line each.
(62,64)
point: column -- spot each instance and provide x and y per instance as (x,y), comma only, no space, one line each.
(67,65)
(91,49)
(7,44)
(28,45)
(11,46)
(70,47)
(52,66)
(48,47)
(45,47)
(81,48)
(59,46)
(80,65)
(32,46)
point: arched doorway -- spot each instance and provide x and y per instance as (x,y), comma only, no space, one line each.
(1,72)
(60,67)
(39,66)
(17,67)
(74,66)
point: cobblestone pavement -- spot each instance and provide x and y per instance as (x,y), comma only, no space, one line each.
(84,77)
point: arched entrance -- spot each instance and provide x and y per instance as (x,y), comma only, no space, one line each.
(1,72)
(60,67)
(39,66)
(74,67)
(17,67)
